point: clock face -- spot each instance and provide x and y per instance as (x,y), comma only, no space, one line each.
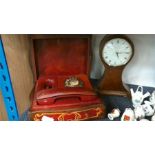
(117,52)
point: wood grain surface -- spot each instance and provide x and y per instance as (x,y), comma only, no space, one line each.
(111,81)
(3,114)
(17,50)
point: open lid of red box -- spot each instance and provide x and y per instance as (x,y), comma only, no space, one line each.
(61,54)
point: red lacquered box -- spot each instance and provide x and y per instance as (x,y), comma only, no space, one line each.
(62,91)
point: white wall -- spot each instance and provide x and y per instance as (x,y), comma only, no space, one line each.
(141,69)
(97,67)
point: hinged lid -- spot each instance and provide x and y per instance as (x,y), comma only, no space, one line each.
(61,54)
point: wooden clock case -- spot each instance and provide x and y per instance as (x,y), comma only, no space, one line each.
(56,58)
(111,81)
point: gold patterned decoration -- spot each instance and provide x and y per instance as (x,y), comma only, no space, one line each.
(76,115)
(73,82)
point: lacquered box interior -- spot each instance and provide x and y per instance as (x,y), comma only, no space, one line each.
(61,56)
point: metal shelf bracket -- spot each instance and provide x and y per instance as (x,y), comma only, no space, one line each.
(6,87)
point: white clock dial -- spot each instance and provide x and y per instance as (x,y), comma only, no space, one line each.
(117,52)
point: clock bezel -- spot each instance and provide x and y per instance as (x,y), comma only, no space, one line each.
(106,39)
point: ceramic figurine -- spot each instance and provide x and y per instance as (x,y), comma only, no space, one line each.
(153,118)
(148,109)
(128,115)
(152,100)
(139,112)
(114,114)
(138,96)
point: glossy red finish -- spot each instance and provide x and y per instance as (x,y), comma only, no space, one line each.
(57,59)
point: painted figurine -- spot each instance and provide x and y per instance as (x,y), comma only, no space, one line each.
(148,109)
(138,96)
(128,115)
(114,114)
(139,113)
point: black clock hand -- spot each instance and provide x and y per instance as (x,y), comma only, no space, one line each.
(123,52)
(117,54)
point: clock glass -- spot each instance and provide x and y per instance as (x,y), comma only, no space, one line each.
(117,52)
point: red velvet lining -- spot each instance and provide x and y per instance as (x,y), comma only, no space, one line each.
(62,56)
(58,82)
